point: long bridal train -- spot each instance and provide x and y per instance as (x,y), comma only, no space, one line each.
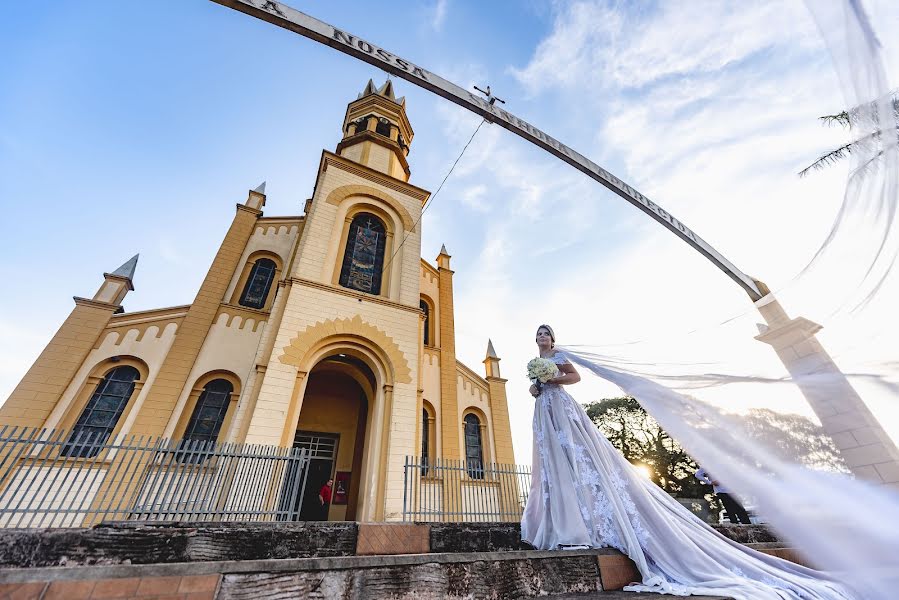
(584,493)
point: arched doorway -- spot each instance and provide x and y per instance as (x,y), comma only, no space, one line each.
(332,427)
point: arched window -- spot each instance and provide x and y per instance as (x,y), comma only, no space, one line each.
(209,413)
(259,283)
(425,435)
(363,258)
(383,127)
(101,413)
(427,310)
(474,450)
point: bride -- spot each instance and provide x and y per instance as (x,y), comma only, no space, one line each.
(585,494)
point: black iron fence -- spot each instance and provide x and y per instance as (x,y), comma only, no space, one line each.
(57,478)
(456,490)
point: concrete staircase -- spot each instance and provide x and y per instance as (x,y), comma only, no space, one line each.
(223,561)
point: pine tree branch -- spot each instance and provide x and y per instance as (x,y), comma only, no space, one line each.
(842,118)
(828,159)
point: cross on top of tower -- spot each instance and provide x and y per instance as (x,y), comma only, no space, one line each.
(490,97)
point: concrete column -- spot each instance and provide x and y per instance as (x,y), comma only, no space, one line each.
(173,373)
(867,449)
(499,409)
(381,509)
(34,398)
(449,409)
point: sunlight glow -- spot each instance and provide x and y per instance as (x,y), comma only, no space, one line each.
(644,471)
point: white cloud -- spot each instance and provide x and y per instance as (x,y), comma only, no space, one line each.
(474,198)
(439,14)
(594,43)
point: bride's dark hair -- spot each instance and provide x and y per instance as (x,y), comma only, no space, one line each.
(552,334)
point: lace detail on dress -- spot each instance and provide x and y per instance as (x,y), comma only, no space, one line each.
(540,441)
(596,507)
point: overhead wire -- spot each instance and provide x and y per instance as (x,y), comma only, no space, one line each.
(434,195)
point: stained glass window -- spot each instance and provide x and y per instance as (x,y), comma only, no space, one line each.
(363,258)
(424,441)
(427,335)
(209,413)
(474,453)
(101,413)
(258,284)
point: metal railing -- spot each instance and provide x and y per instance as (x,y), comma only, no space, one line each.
(57,478)
(460,491)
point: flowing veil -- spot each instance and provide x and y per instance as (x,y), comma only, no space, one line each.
(841,523)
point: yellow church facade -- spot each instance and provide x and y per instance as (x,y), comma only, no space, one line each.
(326,331)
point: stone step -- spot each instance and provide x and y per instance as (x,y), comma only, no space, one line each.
(567,575)
(352,561)
(168,542)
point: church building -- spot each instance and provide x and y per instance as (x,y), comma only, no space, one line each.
(326,331)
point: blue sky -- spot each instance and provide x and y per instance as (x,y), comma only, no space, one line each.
(115,116)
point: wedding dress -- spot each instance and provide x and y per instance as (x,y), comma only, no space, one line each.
(585,493)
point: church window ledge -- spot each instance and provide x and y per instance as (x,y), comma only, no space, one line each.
(360,296)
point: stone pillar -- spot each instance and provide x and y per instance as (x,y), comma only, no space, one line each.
(381,508)
(191,334)
(38,392)
(499,409)
(449,409)
(263,355)
(867,449)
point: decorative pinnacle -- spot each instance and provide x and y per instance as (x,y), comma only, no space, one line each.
(443,249)
(127,269)
(385,90)
(491,353)
(369,89)
(260,189)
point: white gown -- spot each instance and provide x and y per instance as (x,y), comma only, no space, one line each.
(585,493)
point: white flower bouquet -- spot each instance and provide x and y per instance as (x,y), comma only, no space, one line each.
(541,370)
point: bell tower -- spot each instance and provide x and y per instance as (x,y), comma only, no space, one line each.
(376,131)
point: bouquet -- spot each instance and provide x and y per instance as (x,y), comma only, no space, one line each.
(541,370)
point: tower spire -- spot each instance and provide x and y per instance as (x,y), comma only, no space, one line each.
(491,361)
(118,283)
(127,269)
(256,197)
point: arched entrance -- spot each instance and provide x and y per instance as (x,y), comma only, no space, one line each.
(333,428)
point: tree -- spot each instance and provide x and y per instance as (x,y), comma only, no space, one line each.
(793,438)
(851,119)
(643,442)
